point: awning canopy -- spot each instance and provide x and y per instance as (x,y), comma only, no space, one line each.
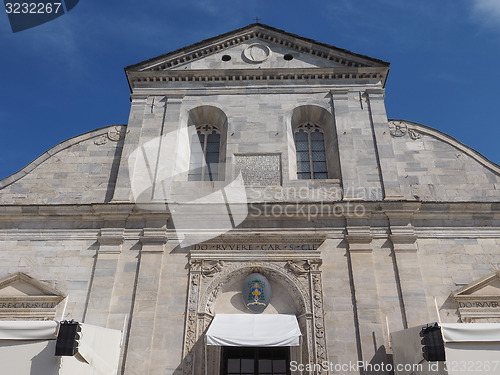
(471,332)
(28,330)
(254,330)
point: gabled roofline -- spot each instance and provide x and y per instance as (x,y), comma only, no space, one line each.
(21,276)
(191,47)
(476,285)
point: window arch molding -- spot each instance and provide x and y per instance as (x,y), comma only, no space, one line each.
(210,126)
(312,119)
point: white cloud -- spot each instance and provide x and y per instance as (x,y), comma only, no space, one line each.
(487,12)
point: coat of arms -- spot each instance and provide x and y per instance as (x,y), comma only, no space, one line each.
(256,292)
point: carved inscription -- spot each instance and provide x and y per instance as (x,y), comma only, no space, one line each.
(260,170)
(257,246)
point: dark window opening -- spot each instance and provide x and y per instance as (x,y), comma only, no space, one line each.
(288,57)
(226,58)
(255,361)
(204,162)
(311,155)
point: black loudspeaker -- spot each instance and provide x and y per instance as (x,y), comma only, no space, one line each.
(67,338)
(433,345)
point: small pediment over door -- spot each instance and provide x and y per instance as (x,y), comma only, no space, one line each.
(25,298)
(480,300)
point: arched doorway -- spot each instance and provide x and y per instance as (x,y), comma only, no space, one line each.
(215,287)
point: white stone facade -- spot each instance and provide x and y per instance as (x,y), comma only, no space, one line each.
(406,213)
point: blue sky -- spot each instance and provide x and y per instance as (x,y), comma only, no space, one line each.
(66,77)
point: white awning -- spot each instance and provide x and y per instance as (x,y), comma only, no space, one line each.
(28,347)
(28,330)
(471,332)
(254,330)
(472,343)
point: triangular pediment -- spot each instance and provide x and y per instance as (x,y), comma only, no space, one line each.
(480,300)
(20,286)
(25,298)
(257,46)
(486,287)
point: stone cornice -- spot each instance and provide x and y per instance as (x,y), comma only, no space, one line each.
(332,233)
(256,75)
(374,210)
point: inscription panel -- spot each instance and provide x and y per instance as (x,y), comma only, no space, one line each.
(260,169)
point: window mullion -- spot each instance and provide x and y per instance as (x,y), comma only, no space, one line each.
(204,150)
(310,155)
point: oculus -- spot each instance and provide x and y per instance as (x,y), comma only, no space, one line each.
(257,53)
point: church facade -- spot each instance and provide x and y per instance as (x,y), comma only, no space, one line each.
(254,152)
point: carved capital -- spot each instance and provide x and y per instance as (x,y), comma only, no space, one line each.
(339,94)
(110,240)
(153,236)
(376,93)
(359,238)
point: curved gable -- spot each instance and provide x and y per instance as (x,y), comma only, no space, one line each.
(433,166)
(79,170)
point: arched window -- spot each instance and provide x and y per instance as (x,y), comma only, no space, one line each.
(204,162)
(310,148)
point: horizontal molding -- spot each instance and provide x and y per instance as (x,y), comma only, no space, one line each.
(268,75)
(259,235)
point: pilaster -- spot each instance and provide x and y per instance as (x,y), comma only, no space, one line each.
(384,148)
(407,266)
(168,145)
(143,317)
(370,327)
(360,172)
(132,141)
(110,246)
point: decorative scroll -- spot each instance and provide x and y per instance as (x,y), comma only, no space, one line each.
(400,129)
(209,271)
(414,134)
(302,268)
(115,134)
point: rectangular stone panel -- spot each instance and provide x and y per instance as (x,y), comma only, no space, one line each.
(260,169)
